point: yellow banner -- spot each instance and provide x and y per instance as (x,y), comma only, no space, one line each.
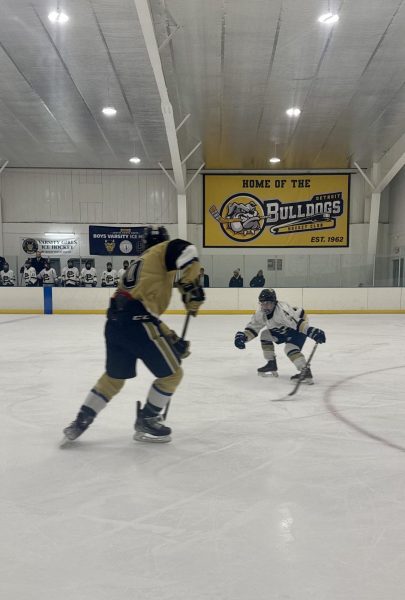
(276,211)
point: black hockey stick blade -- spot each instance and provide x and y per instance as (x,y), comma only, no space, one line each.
(302,374)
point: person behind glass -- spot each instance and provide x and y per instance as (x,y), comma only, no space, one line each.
(7,278)
(48,275)
(236,280)
(88,276)
(29,274)
(121,271)
(2,262)
(109,277)
(39,264)
(70,275)
(203,279)
(258,280)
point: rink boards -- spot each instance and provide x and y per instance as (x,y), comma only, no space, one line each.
(218,300)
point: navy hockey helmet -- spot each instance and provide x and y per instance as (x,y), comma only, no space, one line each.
(70,263)
(268,295)
(153,236)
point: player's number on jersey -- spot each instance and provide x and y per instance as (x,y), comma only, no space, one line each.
(133,273)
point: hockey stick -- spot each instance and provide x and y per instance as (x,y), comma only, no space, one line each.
(183,334)
(304,370)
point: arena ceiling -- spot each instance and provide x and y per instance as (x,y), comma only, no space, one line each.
(234,66)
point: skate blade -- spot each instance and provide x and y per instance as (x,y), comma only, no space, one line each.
(272,373)
(140,436)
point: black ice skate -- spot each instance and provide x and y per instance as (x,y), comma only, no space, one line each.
(306,376)
(77,427)
(150,428)
(270,368)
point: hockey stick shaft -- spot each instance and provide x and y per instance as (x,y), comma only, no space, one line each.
(183,333)
(302,374)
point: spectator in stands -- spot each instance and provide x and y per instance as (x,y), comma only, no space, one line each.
(258,280)
(203,279)
(236,280)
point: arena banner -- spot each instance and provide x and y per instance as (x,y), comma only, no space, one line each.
(51,245)
(276,211)
(115,241)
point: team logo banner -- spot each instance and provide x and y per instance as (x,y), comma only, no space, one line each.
(116,241)
(273,211)
(50,246)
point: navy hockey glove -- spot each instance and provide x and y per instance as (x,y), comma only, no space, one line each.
(193,296)
(316,334)
(181,347)
(240,340)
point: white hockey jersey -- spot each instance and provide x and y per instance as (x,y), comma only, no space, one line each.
(88,277)
(48,276)
(70,277)
(30,276)
(109,278)
(7,279)
(283,321)
(121,273)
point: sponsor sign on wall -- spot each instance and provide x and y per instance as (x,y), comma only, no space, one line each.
(115,241)
(51,246)
(276,211)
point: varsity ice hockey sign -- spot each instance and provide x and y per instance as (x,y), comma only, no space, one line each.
(272,211)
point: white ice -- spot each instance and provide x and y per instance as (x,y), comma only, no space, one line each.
(253,500)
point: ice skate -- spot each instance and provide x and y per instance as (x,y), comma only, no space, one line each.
(76,428)
(270,368)
(306,376)
(151,428)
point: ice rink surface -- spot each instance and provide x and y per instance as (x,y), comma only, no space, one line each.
(253,500)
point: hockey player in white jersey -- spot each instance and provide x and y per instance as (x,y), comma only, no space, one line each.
(29,274)
(48,275)
(88,275)
(281,324)
(109,277)
(7,278)
(125,266)
(70,275)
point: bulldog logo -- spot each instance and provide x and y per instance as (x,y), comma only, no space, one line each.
(30,246)
(109,245)
(242,217)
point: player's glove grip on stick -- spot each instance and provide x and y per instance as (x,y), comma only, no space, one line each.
(316,334)
(181,347)
(193,296)
(240,340)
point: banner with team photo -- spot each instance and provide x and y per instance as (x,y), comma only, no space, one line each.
(276,211)
(115,241)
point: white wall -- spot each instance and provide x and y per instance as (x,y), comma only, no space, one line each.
(397,212)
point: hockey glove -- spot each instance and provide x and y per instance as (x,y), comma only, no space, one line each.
(316,334)
(240,340)
(193,296)
(180,347)
(94,284)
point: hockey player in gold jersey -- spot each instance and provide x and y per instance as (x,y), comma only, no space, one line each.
(134,330)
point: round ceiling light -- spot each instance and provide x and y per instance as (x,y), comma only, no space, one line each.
(57,16)
(293,112)
(274,160)
(109,111)
(329,18)
(135,160)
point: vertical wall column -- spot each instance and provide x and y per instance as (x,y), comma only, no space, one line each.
(1,211)
(373,228)
(182,216)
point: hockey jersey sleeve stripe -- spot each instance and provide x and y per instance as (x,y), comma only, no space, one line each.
(251,331)
(179,254)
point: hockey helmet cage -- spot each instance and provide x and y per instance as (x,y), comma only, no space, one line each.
(70,263)
(268,295)
(154,235)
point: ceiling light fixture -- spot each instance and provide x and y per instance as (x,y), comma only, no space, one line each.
(274,159)
(293,112)
(135,160)
(57,16)
(329,18)
(109,111)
